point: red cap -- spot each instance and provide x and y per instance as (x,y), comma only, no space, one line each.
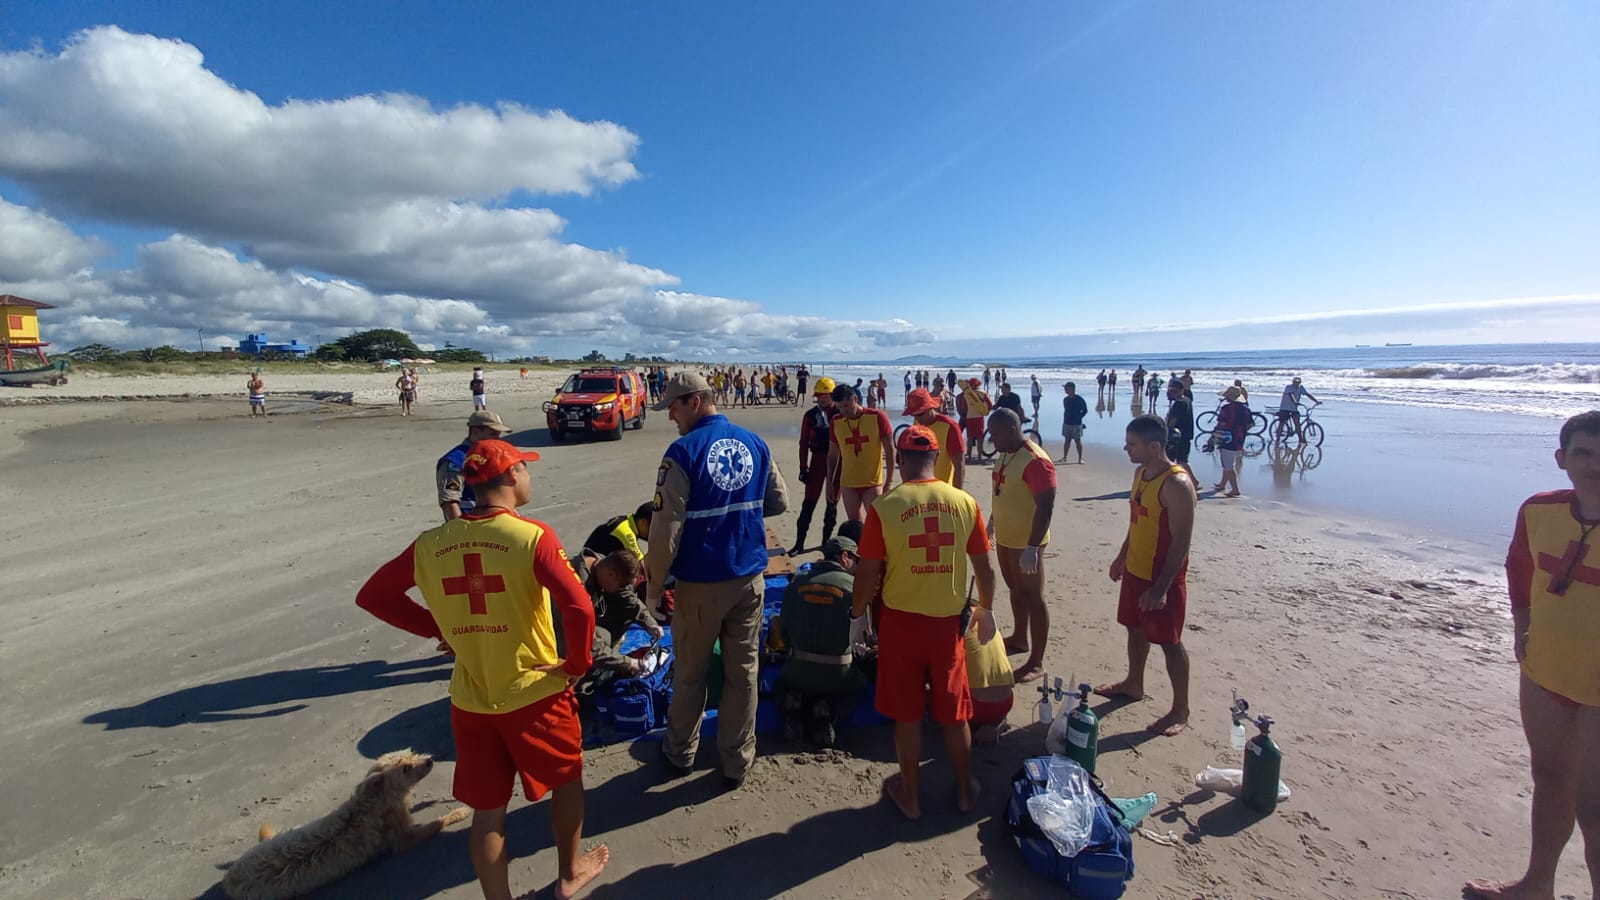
(974,382)
(919,401)
(488,460)
(917,437)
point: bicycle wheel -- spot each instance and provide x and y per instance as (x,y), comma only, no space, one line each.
(1258,424)
(1254,444)
(899,430)
(986,448)
(1282,430)
(1032,434)
(1205,423)
(1313,433)
(1310,458)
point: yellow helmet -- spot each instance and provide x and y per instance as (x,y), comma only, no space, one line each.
(825,385)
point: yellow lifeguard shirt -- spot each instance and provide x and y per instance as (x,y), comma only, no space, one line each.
(1016,478)
(1553,571)
(950,446)
(1149,534)
(861,441)
(479,578)
(923,531)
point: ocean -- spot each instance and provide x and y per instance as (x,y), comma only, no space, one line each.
(1442,441)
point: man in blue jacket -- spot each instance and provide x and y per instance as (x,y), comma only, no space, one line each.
(715,485)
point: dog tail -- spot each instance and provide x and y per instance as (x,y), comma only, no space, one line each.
(266,832)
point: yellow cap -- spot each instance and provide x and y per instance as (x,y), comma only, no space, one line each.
(824,385)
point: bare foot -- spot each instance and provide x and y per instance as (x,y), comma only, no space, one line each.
(584,871)
(1029,672)
(1231,494)
(1503,890)
(967,800)
(1121,691)
(894,789)
(1171,724)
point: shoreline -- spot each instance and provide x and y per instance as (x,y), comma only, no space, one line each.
(227,677)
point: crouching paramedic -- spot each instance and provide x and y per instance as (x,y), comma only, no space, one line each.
(490,578)
(621,533)
(819,679)
(609,582)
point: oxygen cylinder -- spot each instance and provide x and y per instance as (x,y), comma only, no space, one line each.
(1083,732)
(1263,766)
(1046,710)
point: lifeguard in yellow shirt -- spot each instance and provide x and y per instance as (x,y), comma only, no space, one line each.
(860,452)
(1024,497)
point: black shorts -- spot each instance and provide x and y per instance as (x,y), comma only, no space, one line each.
(1287,415)
(1178,449)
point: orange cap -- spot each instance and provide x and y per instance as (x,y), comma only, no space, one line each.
(488,460)
(917,437)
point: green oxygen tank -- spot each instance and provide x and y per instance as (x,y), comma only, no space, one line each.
(1083,732)
(1263,765)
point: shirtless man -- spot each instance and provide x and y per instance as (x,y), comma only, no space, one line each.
(406,384)
(1152,566)
(257,390)
(1554,584)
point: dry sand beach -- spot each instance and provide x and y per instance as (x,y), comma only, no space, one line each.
(186,660)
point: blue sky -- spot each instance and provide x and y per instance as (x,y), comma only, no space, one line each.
(866,180)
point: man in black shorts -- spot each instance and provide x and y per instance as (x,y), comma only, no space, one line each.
(1180,426)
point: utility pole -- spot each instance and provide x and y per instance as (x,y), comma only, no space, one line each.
(202,333)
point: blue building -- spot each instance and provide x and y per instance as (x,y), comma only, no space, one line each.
(258,345)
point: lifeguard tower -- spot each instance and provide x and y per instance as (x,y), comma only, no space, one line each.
(19,329)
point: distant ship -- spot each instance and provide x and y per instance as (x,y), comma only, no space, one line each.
(1362,346)
(1397,345)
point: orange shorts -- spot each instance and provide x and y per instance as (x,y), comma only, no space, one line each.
(975,429)
(542,743)
(915,653)
(1161,626)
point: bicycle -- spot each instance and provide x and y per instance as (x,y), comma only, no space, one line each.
(987,450)
(1309,432)
(1206,422)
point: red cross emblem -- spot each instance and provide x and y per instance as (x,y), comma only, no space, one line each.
(1137,510)
(932,539)
(856,441)
(1569,568)
(476,585)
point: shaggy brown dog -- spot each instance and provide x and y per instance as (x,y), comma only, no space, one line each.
(376,819)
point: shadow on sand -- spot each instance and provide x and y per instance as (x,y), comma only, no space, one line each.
(242,698)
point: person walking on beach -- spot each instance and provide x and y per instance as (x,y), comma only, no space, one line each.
(489,580)
(1180,426)
(1152,566)
(1035,393)
(1023,499)
(1138,382)
(860,453)
(1554,583)
(1101,381)
(802,377)
(480,396)
(715,485)
(916,545)
(1074,409)
(1111,386)
(1233,423)
(449,474)
(816,435)
(406,384)
(1152,390)
(973,407)
(951,466)
(256,389)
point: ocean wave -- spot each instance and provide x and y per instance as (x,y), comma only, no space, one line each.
(1565,373)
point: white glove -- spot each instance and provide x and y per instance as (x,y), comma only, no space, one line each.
(1029,563)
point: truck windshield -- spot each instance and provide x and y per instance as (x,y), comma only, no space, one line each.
(589,384)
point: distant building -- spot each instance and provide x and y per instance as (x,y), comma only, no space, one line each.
(258,345)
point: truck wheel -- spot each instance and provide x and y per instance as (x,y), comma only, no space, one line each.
(557,435)
(615,434)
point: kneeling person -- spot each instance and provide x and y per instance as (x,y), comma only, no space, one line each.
(609,581)
(815,626)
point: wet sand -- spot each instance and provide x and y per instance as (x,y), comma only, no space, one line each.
(186,660)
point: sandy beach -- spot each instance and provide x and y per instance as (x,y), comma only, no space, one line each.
(186,661)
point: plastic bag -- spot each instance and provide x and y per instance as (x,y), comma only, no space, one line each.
(1230,781)
(1065,810)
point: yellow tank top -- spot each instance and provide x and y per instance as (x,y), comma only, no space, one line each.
(860,448)
(948,433)
(976,405)
(1149,536)
(1012,505)
(476,576)
(926,525)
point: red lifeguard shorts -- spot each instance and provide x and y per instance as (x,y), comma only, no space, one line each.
(916,653)
(542,743)
(1161,626)
(975,427)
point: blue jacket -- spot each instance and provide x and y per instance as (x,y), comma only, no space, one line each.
(454,461)
(723,534)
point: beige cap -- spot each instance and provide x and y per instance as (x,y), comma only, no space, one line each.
(485,419)
(680,384)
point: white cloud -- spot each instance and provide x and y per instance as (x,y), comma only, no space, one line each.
(35,246)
